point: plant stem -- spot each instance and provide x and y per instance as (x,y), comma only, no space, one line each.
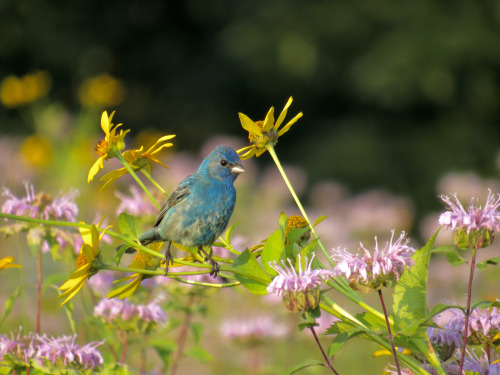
(153,181)
(136,178)
(124,348)
(327,360)
(182,336)
(270,148)
(390,333)
(467,311)
(39,290)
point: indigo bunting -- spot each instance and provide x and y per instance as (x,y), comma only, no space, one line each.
(199,209)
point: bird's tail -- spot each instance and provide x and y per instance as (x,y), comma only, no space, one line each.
(146,238)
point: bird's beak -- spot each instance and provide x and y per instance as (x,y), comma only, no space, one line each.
(237,168)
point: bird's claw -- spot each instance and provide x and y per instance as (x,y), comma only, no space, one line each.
(215,268)
(168,259)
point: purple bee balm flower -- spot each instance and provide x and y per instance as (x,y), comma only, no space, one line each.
(23,206)
(129,316)
(62,207)
(21,348)
(135,204)
(372,272)
(484,325)
(300,290)
(254,330)
(475,226)
(64,350)
(445,341)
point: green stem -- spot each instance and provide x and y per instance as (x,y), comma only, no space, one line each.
(136,178)
(153,181)
(339,311)
(228,246)
(82,225)
(270,148)
(200,283)
(354,298)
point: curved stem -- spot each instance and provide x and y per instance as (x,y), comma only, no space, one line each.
(136,178)
(467,311)
(393,348)
(270,148)
(153,181)
(327,360)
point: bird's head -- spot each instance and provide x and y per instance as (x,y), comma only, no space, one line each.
(223,163)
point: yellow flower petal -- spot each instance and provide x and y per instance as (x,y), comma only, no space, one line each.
(249,154)
(95,168)
(285,128)
(126,290)
(5,263)
(75,277)
(112,177)
(250,126)
(162,139)
(71,293)
(268,121)
(106,122)
(283,113)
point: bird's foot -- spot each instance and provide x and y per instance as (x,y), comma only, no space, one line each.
(214,265)
(168,258)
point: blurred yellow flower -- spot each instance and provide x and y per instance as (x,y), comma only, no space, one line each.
(87,262)
(101,91)
(6,263)
(142,261)
(37,151)
(265,133)
(138,159)
(18,91)
(109,146)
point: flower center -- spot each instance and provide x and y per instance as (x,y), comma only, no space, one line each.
(81,260)
(102,148)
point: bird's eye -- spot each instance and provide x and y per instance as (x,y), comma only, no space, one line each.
(223,163)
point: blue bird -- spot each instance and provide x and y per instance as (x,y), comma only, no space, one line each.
(199,209)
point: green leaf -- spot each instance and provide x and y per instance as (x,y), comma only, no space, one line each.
(257,279)
(229,232)
(452,253)
(282,222)
(199,354)
(272,251)
(196,329)
(488,262)
(9,303)
(411,290)
(308,251)
(164,347)
(340,339)
(297,368)
(68,309)
(438,309)
(120,252)
(128,226)
(319,220)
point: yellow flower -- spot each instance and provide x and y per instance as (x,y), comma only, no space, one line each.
(87,262)
(18,91)
(138,159)
(5,263)
(101,91)
(142,261)
(265,133)
(109,146)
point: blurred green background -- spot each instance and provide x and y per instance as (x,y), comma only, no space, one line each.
(400,102)
(393,93)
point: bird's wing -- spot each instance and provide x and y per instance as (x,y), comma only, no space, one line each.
(177,196)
